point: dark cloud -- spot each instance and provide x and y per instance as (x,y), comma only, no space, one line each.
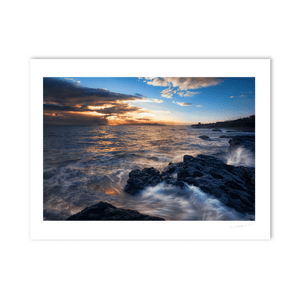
(62,91)
(56,107)
(67,102)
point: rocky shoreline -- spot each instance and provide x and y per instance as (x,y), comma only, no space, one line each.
(106,212)
(245,141)
(234,186)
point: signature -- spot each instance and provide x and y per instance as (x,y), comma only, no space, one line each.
(238,226)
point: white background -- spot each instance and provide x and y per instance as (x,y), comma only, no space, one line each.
(150,270)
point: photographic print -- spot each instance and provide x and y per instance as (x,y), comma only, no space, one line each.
(149,148)
(181,141)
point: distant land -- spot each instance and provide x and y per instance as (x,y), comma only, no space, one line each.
(244,124)
(141,124)
(102,124)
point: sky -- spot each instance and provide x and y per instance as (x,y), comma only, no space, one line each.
(148,100)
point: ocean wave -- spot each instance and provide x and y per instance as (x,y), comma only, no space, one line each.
(89,164)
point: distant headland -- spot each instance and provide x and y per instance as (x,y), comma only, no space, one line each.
(245,124)
(141,124)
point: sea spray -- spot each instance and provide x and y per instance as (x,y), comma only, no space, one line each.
(87,164)
(187,203)
(240,157)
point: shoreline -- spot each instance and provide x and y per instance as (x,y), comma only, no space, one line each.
(107,212)
(242,124)
(233,186)
(224,129)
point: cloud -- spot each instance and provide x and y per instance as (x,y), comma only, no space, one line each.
(156,81)
(183,103)
(157,100)
(231,96)
(168,93)
(174,84)
(198,105)
(162,111)
(187,94)
(145,100)
(73,80)
(68,103)
(242,95)
(184,83)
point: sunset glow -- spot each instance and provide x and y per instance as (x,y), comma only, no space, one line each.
(146,100)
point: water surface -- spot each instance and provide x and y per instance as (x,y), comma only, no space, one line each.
(87,164)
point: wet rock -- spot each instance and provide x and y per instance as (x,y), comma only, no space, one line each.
(134,173)
(224,137)
(170,169)
(107,212)
(204,137)
(232,185)
(219,130)
(138,180)
(245,141)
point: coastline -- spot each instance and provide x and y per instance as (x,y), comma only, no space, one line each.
(233,186)
(242,124)
(107,212)
(225,129)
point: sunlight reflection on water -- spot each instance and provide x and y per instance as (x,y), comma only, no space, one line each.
(87,164)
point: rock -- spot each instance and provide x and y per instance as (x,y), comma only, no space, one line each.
(134,173)
(204,137)
(224,137)
(234,186)
(107,212)
(217,130)
(245,141)
(139,179)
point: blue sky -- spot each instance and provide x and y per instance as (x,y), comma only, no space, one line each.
(168,100)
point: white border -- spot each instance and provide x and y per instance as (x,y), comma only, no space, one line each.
(132,230)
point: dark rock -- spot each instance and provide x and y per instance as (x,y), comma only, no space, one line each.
(171,169)
(183,173)
(134,173)
(224,137)
(138,180)
(204,137)
(217,130)
(188,158)
(232,185)
(191,181)
(107,212)
(245,141)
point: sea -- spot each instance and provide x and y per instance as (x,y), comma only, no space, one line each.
(87,164)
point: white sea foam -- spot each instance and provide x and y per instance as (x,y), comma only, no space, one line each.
(188,203)
(85,165)
(240,157)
